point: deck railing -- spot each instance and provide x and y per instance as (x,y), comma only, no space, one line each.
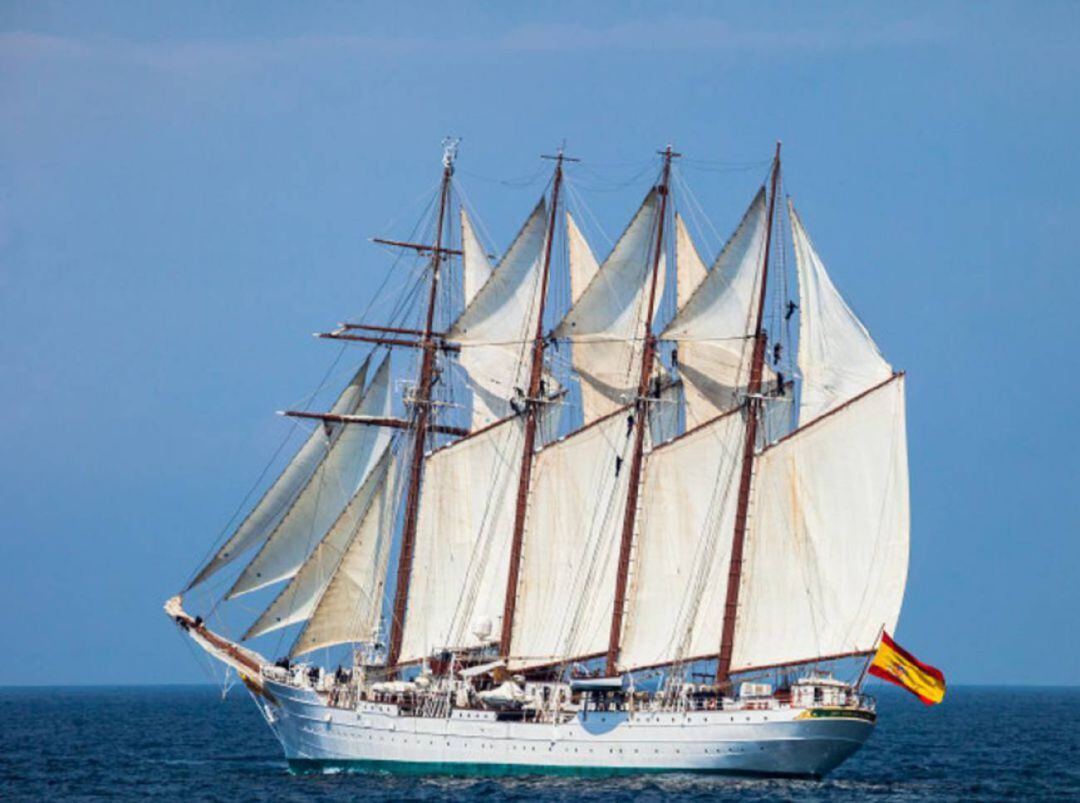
(439,703)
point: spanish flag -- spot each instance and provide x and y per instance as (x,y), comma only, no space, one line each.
(896,665)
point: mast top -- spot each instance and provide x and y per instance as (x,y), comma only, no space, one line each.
(560,155)
(450,149)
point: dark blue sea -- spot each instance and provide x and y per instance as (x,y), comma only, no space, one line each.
(186,743)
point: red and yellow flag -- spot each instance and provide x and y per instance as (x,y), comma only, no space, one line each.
(896,665)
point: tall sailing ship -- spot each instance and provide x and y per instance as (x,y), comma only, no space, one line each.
(581,515)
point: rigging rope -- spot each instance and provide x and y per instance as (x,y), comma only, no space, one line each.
(221,537)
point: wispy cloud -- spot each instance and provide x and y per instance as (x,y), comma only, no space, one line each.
(669,35)
(681,34)
(193,54)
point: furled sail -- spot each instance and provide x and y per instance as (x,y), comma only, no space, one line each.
(827,550)
(462,550)
(714,328)
(583,264)
(690,269)
(837,357)
(275,503)
(497,327)
(298,599)
(679,580)
(476,267)
(350,607)
(326,494)
(607,322)
(571,545)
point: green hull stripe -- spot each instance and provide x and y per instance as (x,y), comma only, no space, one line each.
(842,713)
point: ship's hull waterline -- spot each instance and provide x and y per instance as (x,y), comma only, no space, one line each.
(374,737)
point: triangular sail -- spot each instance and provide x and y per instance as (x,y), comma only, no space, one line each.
(476,267)
(571,544)
(350,607)
(275,503)
(827,550)
(326,494)
(298,599)
(837,357)
(497,327)
(583,264)
(462,547)
(607,323)
(714,327)
(690,269)
(679,580)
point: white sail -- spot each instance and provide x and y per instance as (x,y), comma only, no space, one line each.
(837,357)
(678,584)
(714,329)
(326,494)
(690,269)
(298,599)
(463,533)
(571,544)
(262,519)
(595,399)
(350,607)
(496,329)
(607,323)
(826,553)
(583,264)
(476,267)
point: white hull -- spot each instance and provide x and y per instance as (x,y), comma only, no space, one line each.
(783,742)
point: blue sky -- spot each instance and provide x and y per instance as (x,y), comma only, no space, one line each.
(186,192)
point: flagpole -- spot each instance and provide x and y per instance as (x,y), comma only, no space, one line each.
(869,659)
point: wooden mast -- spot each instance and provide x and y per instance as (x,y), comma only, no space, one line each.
(753,411)
(533,407)
(422,405)
(641,414)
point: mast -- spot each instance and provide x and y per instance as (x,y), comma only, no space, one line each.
(753,411)
(534,404)
(641,409)
(429,343)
